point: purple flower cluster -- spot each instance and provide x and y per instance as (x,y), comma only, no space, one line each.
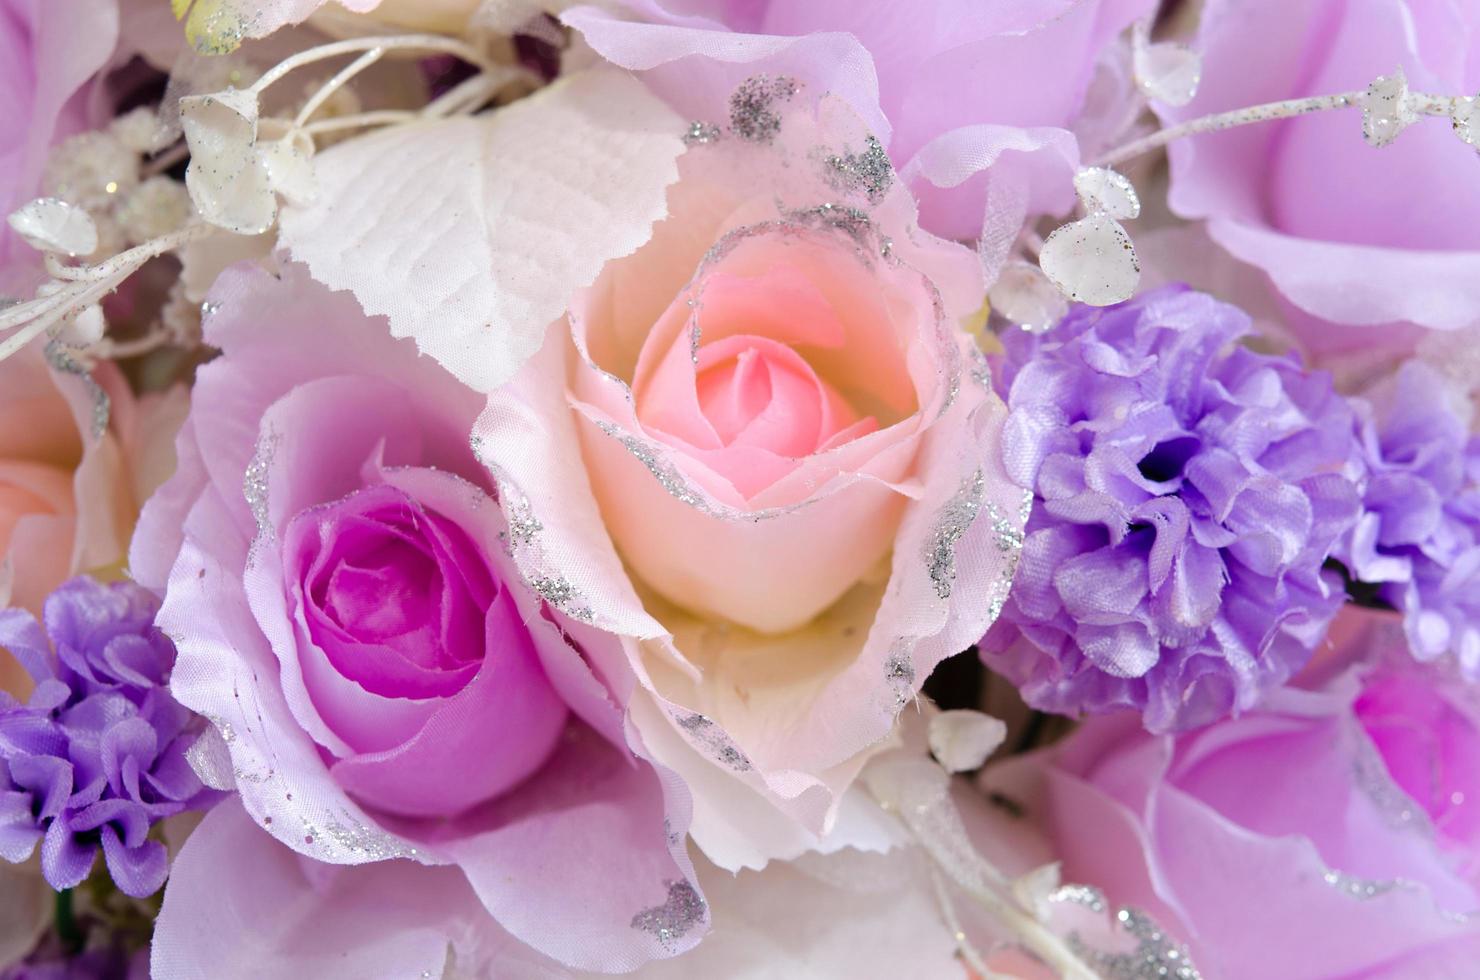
(1188,492)
(97,754)
(51,962)
(1418,540)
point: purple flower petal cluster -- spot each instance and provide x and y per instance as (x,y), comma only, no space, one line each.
(1188,491)
(95,963)
(1418,539)
(97,754)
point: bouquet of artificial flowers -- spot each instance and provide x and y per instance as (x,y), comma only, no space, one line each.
(739,489)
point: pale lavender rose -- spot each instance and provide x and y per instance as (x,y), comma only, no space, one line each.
(846,914)
(1418,540)
(1352,236)
(1330,833)
(1188,492)
(49,51)
(949,87)
(385,684)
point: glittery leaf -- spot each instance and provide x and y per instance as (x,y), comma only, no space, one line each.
(217,27)
(53,225)
(1168,72)
(1024,296)
(1101,189)
(529,203)
(1091,261)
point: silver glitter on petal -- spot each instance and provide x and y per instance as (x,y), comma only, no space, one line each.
(208,309)
(369,842)
(558,591)
(753,106)
(1156,956)
(899,673)
(1009,536)
(1396,807)
(715,740)
(955,518)
(700,133)
(853,222)
(980,369)
(867,172)
(665,473)
(1358,888)
(254,480)
(1088,896)
(684,909)
(61,359)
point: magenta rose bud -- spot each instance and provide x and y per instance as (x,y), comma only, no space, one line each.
(400,602)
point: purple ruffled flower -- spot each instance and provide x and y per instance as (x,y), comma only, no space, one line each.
(1187,493)
(1418,539)
(97,755)
(107,963)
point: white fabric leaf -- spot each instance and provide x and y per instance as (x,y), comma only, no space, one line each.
(1101,189)
(52,225)
(1024,295)
(227,178)
(471,235)
(1091,261)
(962,739)
(1168,72)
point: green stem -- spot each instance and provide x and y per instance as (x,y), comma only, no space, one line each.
(66,923)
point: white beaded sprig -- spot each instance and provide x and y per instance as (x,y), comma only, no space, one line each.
(1092,260)
(241,166)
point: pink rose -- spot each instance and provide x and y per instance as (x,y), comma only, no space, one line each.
(1330,833)
(788,443)
(1395,241)
(334,568)
(949,86)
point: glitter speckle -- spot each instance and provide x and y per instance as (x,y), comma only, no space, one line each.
(867,172)
(753,114)
(102,406)
(713,738)
(684,909)
(558,591)
(899,673)
(700,132)
(1358,888)
(1156,955)
(955,518)
(254,480)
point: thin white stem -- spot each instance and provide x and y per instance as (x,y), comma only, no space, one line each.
(166,160)
(33,318)
(953,923)
(23,337)
(379,117)
(420,42)
(467,94)
(334,84)
(1227,120)
(57,270)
